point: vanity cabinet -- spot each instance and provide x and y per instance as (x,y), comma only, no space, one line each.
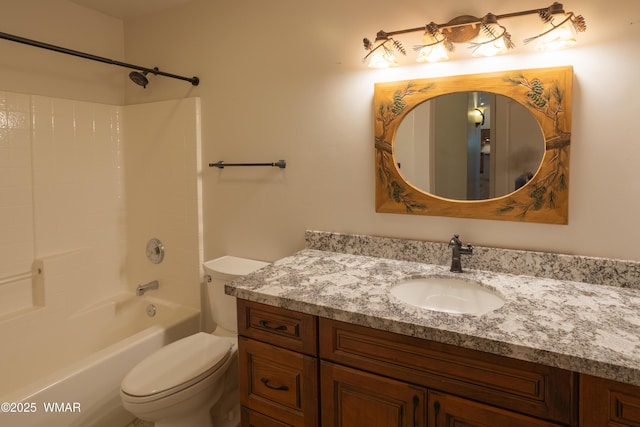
(301,370)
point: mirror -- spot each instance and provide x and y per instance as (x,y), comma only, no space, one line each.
(468,146)
(493,146)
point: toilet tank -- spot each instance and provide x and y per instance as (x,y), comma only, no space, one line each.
(221,271)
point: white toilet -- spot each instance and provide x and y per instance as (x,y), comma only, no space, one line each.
(193,382)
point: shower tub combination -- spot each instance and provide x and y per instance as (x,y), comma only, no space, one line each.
(81,387)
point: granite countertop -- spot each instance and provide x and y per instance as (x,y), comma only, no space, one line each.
(581,327)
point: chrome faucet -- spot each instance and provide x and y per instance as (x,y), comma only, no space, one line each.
(456,250)
(141,289)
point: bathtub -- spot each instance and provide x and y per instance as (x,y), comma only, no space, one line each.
(76,380)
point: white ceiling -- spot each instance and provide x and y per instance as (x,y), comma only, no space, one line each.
(125,9)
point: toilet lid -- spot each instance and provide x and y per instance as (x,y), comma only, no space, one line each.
(177,363)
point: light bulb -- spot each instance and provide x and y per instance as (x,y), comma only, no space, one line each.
(558,37)
(434,50)
(383,57)
(488,45)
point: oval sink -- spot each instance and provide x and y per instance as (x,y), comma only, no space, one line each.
(448,294)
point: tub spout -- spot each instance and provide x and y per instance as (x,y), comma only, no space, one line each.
(141,289)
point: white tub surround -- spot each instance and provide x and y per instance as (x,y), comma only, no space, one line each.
(588,328)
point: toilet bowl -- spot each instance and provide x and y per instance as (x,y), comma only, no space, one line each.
(192,382)
(175,383)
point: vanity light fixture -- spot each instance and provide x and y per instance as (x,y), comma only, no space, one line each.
(486,36)
(559,29)
(383,56)
(493,40)
(435,46)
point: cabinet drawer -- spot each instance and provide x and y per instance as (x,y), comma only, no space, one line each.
(608,403)
(279,326)
(530,388)
(278,383)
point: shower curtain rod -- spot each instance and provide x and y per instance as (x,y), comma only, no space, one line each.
(193,80)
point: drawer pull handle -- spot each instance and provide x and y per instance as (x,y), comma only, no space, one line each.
(265,381)
(416,401)
(266,324)
(436,407)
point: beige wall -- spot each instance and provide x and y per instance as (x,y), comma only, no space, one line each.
(31,70)
(285,80)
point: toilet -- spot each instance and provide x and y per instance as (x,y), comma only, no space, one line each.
(193,382)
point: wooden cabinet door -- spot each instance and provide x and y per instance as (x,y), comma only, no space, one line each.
(354,398)
(446,410)
(607,403)
(256,419)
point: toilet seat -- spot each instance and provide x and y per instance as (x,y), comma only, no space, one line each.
(176,367)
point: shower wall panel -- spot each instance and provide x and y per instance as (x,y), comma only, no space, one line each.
(16,203)
(61,192)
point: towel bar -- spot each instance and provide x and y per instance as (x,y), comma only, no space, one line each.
(221,164)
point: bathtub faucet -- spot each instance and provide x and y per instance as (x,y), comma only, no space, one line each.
(141,289)
(456,251)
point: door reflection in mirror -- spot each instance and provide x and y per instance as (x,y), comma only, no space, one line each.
(441,149)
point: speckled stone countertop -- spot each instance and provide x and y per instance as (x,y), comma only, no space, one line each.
(577,326)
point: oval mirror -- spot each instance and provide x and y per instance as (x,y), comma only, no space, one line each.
(469,146)
(522,148)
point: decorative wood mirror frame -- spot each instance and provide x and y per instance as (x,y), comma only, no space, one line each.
(545,92)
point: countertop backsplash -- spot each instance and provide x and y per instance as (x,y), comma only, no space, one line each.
(557,310)
(593,270)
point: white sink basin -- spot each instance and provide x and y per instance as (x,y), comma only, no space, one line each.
(448,294)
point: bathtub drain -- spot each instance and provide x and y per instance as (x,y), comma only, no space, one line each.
(151,310)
